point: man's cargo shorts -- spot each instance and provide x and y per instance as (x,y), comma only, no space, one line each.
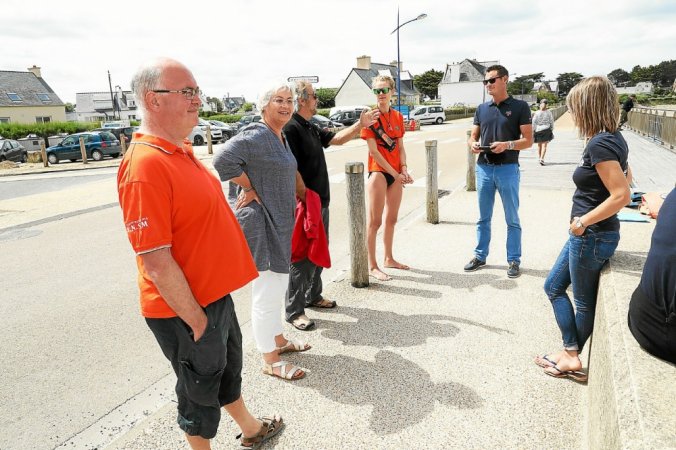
(209,371)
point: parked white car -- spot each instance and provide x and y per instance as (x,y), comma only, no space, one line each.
(428,114)
(199,133)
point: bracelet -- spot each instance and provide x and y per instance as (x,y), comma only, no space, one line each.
(250,188)
(403,165)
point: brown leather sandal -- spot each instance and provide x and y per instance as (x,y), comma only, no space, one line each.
(270,427)
(323,303)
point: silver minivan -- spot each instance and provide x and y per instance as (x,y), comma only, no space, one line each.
(428,114)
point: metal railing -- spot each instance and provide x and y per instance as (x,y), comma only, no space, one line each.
(656,124)
(558,111)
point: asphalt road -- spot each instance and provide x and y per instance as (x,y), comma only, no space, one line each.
(74,345)
(24,185)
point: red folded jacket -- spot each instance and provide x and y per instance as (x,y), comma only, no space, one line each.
(309,238)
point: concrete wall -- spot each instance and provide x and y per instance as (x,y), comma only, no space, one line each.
(631,393)
(470,93)
(27,114)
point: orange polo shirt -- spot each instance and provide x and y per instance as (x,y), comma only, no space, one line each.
(169,199)
(393,124)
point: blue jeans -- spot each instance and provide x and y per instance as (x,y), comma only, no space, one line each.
(579,264)
(504,179)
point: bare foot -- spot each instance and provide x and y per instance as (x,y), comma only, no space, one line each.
(547,360)
(379,274)
(565,362)
(391,263)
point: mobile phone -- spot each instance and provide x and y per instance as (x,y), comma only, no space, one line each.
(485,148)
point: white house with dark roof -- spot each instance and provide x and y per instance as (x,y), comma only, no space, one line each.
(356,89)
(101,106)
(463,83)
(25,97)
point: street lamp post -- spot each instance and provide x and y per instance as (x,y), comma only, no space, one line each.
(421,16)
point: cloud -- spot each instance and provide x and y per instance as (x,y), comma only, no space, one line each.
(234,47)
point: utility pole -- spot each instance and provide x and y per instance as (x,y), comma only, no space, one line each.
(112,102)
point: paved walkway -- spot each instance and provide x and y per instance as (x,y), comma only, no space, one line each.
(435,358)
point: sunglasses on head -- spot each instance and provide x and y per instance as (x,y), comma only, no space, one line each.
(384,90)
(490,80)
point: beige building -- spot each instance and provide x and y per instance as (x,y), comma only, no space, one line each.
(25,97)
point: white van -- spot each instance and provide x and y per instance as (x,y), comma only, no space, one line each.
(428,114)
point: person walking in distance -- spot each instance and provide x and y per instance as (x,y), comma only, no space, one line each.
(190,253)
(307,142)
(543,129)
(627,106)
(502,128)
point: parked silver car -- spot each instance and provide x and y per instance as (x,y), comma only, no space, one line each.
(199,133)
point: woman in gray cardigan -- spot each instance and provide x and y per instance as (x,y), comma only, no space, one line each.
(262,173)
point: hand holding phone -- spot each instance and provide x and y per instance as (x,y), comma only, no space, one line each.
(485,148)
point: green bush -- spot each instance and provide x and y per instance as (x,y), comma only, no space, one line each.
(20,130)
(460,110)
(227,118)
(324,112)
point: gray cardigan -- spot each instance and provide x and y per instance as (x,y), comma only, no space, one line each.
(271,167)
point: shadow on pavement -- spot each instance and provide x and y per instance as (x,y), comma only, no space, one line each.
(402,393)
(467,281)
(381,329)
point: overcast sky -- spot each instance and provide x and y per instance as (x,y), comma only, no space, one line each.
(238,47)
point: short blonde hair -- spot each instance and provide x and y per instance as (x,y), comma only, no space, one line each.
(593,105)
(386,78)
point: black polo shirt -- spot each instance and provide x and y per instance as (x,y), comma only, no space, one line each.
(307,142)
(501,123)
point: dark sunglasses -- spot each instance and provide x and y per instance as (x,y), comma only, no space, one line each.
(490,80)
(384,90)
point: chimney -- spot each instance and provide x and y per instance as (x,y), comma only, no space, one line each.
(401,65)
(364,62)
(35,70)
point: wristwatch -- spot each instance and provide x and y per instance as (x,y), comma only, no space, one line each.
(578,223)
(510,145)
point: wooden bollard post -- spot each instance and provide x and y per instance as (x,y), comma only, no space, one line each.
(43,152)
(471,166)
(83,150)
(210,148)
(123,143)
(356,213)
(432,182)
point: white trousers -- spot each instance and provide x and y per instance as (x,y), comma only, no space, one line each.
(268,293)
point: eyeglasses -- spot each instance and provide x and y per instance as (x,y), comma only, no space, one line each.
(279,101)
(384,90)
(490,80)
(314,95)
(189,93)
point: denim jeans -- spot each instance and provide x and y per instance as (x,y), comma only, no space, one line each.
(504,179)
(579,264)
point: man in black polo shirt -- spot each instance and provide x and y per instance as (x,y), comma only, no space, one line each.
(307,142)
(502,127)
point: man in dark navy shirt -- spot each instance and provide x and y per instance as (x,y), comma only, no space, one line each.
(652,310)
(307,142)
(502,127)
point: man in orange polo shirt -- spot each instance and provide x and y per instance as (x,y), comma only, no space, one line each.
(191,254)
